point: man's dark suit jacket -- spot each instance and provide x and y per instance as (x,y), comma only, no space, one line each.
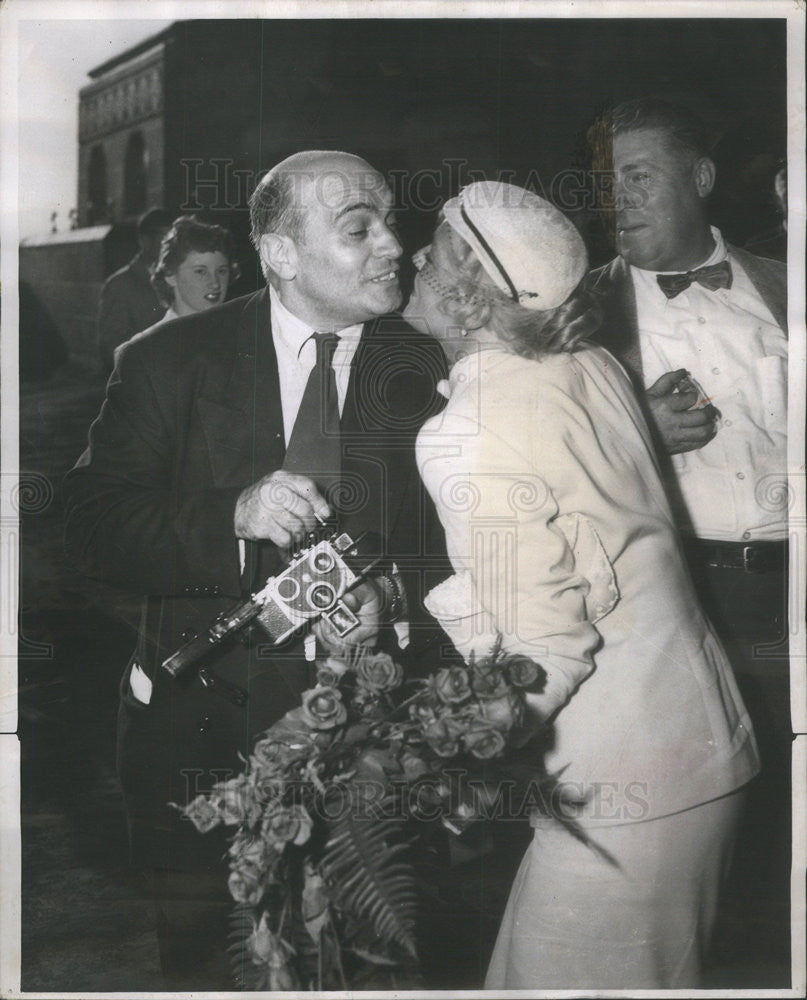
(192,416)
(619,331)
(128,304)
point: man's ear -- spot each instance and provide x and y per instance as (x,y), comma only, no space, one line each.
(278,255)
(704,173)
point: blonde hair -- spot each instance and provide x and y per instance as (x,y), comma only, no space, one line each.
(532,333)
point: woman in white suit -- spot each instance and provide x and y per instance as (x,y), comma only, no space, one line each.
(562,542)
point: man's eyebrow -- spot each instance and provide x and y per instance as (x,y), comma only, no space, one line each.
(355,206)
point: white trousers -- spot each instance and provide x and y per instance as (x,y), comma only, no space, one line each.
(574,921)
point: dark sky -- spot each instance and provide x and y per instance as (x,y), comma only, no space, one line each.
(433,100)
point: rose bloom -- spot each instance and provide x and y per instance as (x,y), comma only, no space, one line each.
(203,814)
(502,713)
(265,785)
(271,753)
(484,742)
(379,672)
(248,852)
(443,736)
(245,885)
(451,685)
(524,672)
(339,667)
(282,825)
(232,800)
(423,712)
(413,766)
(323,708)
(487,682)
(368,704)
(327,677)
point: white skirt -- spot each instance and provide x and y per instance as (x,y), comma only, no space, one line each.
(574,921)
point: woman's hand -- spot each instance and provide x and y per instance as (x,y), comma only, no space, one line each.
(530,726)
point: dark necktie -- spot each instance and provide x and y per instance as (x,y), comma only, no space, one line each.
(713,277)
(314,446)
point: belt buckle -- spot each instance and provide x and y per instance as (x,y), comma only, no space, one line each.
(748,559)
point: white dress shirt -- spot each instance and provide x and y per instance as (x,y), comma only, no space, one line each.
(733,487)
(296,353)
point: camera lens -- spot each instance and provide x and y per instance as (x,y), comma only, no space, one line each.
(322,561)
(321,595)
(288,588)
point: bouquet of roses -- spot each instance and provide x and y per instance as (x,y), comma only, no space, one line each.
(322,812)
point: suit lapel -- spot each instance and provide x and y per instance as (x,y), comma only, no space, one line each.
(770,280)
(376,462)
(241,414)
(254,388)
(619,330)
(624,320)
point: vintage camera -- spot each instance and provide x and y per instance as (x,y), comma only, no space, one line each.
(311,585)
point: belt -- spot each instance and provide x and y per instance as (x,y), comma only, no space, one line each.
(750,557)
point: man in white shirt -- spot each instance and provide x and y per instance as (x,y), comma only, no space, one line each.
(185,494)
(701,327)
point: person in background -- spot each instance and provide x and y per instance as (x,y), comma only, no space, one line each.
(773,242)
(128,302)
(701,326)
(195,267)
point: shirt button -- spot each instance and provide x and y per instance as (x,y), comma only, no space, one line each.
(727,423)
(746,535)
(701,319)
(741,475)
(715,371)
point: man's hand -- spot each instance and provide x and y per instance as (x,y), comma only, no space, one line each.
(681,428)
(282,507)
(366,601)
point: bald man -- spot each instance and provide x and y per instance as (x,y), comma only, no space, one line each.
(185,495)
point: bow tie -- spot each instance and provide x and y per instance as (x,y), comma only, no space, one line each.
(713,277)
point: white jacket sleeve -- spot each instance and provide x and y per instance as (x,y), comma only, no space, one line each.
(515,562)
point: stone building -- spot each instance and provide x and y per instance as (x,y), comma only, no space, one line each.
(189,118)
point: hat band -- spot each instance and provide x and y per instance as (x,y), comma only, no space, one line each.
(486,247)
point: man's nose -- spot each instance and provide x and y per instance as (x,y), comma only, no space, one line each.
(387,244)
(626,196)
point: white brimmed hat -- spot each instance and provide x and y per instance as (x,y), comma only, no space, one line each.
(530,250)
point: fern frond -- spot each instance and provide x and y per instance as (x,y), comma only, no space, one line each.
(367,878)
(246,976)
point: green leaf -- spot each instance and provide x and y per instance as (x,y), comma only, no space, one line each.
(368,881)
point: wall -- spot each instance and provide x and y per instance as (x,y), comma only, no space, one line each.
(66,272)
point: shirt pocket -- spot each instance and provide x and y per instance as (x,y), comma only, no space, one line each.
(772,381)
